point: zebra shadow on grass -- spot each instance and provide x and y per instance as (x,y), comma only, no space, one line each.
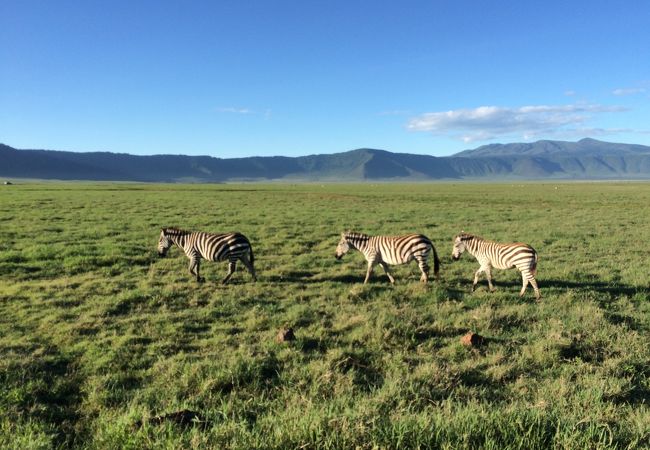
(609,292)
(378,278)
(357,279)
(293,276)
(613,289)
(303,276)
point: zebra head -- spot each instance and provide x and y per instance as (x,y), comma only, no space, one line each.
(164,242)
(343,247)
(459,245)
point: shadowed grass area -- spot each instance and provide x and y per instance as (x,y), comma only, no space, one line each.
(101,341)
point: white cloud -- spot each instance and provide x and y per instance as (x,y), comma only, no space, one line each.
(266,114)
(628,91)
(233,110)
(528,122)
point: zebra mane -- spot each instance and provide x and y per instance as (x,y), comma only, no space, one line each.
(468,237)
(174,231)
(351,235)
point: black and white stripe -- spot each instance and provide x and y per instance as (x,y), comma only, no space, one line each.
(212,247)
(393,250)
(500,256)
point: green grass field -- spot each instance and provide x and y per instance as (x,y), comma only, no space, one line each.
(98,336)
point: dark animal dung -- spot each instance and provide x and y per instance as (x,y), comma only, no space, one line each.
(184,418)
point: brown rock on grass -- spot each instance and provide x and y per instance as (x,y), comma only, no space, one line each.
(285,335)
(472,340)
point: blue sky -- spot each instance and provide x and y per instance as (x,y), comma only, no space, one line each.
(243,78)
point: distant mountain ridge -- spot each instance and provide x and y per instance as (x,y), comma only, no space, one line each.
(585,159)
(584,147)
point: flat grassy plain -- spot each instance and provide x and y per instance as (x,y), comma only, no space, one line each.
(98,336)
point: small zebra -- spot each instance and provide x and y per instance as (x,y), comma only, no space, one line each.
(500,256)
(384,250)
(212,247)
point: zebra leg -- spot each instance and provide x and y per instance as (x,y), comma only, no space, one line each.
(480,269)
(488,274)
(538,295)
(244,259)
(528,277)
(424,268)
(371,265)
(524,282)
(194,268)
(232,265)
(385,267)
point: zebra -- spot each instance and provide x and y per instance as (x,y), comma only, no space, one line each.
(385,250)
(209,246)
(500,256)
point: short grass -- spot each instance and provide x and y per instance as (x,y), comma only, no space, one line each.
(97,335)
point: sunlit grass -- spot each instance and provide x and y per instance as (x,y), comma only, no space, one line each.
(97,334)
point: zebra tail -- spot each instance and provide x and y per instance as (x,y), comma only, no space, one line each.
(250,249)
(533,269)
(436,262)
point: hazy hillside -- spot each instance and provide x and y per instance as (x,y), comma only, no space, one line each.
(585,159)
(584,147)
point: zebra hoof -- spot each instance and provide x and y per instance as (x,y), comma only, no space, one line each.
(200,279)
